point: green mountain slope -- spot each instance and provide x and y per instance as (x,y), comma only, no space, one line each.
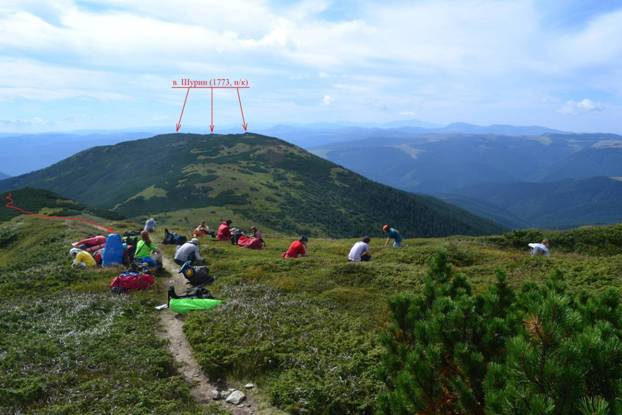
(561,204)
(486,210)
(48,203)
(602,159)
(260,178)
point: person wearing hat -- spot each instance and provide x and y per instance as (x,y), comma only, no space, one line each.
(297,248)
(147,251)
(394,234)
(82,258)
(224,231)
(360,251)
(188,252)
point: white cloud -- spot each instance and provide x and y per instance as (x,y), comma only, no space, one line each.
(26,79)
(580,107)
(478,61)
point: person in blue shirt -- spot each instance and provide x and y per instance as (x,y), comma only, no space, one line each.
(394,234)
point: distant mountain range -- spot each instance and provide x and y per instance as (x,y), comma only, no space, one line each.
(441,163)
(262,179)
(29,152)
(448,162)
(315,135)
(561,204)
(453,165)
(3,176)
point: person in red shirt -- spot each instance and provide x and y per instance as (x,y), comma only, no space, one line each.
(224,232)
(297,248)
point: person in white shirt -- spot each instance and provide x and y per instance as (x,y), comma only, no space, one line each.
(360,251)
(188,252)
(541,248)
(150,225)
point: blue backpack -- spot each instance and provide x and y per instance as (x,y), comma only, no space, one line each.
(113,252)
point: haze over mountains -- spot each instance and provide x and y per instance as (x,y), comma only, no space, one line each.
(459,162)
(24,153)
(452,166)
(31,152)
(258,178)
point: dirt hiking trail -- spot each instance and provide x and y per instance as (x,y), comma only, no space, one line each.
(202,389)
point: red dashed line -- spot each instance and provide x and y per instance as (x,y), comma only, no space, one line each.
(10,205)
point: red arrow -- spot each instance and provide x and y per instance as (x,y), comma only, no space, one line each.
(211,126)
(178,125)
(244,125)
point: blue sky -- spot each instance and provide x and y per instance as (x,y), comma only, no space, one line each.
(95,64)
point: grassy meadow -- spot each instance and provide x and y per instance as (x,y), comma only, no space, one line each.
(306,331)
(67,345)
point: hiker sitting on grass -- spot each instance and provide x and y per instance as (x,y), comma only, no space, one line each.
(297,248)
(258,235)
(188,252)
(360,251)
(394,234)
(150,225)
(81,259)
(224,231)
(201,230)
(542,248)
(251,242)
(148,252)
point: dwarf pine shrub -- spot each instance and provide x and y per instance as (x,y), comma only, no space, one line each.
(542,349)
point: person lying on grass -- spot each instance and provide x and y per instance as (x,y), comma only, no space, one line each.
(394,234)
(147,251)
(188,252)
(360,251)
(297,248)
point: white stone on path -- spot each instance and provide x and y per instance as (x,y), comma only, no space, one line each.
(236,397)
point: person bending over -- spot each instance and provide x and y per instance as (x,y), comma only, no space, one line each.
(297,248)
(82,259)
(201,230)
(542,248)
(394,234)
(188,252)
(360,251)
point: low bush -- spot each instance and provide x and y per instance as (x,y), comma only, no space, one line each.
(539,350)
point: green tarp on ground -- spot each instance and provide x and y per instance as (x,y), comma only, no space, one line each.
(183,305)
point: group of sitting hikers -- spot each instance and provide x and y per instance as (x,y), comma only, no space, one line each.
(139,246)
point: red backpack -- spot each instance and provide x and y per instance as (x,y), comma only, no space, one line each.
(131,281)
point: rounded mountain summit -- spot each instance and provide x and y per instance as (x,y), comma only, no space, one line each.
(262,179)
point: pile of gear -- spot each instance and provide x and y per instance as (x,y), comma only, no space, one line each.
(197,296)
